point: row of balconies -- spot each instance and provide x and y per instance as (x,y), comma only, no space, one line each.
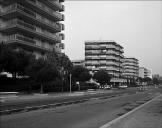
(104,58)
(103,63)
(35,18)
(131,67)
(130,74)
(99,52)
(89,47)
(30,28)
(130,62)
(130,70)
(26,42)
(38,8)
(17,23)
(53,4)
(104,68)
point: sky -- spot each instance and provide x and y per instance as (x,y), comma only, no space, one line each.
(136,25)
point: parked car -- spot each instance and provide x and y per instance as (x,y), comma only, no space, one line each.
(124,86)
(107,87)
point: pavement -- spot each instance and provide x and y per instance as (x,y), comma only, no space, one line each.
(147,115)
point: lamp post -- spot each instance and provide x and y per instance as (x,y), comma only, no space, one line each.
(70,83)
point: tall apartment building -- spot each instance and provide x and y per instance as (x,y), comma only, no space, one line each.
(106,55)
(131,67)
(144,72)
(33,25)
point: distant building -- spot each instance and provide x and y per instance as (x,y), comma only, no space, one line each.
(131,67)
(105,55)
(144,72)
(78,62)
(32,25)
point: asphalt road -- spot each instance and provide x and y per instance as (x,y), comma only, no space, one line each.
(89,114)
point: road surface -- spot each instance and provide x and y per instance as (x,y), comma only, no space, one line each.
(89,114)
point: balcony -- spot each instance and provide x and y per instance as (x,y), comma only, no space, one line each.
(111,63)
(42,9)
(15,10)
(88,58)
(10,11)
(25,42)
(19,25)
(95,57)
(55,5)
(111,58)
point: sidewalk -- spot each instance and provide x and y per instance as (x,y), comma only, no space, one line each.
(148,115)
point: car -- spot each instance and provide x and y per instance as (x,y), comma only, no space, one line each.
(124,86)
(107,87)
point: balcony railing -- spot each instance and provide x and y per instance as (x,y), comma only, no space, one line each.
(48,10)
(29,41)
(31,28)
(56,3)
(21,23)
(19,7)
(32,14)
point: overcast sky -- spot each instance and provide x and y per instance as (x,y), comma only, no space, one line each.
(136,25)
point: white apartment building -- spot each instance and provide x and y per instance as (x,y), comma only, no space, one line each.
(144,72)
(106,55)
(131,67)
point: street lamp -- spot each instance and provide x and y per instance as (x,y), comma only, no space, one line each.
(70,83)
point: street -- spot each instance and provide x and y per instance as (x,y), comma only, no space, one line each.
(89,114)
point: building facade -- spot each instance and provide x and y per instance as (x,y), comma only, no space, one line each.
(78,63)
(32,25)
(144,72)
(106,55)
(131,67)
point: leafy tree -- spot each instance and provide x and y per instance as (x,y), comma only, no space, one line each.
(102,77)
(80,73)
(85,76)
(13,61)
(42,72)
(63,64)
(23,61)
(60,60)
(155,80)
(146,79)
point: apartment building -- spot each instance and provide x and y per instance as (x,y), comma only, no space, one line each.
(131,67)
(144,72)
(106,55)
(78,63)
(32,25)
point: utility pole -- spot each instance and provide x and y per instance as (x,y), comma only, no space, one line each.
(70,83)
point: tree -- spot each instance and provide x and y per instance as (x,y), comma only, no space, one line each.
(23,61)
(102,77)
(14,61)
(147,79)
(80,73)
(42,72)
(63,64)
(155,81)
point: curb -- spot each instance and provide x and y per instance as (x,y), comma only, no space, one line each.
(116,122)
